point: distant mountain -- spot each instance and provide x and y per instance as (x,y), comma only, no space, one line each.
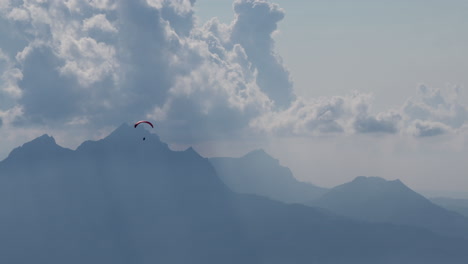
(457,205)
(259,173)
(377,200)
(123,200)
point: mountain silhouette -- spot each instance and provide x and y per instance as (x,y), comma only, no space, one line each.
(378,200)
(259,173)
(124,200)
(457,205)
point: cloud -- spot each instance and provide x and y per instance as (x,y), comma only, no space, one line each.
(179,14)
(337,114)
(18,14)
(47,95)
(382,123)
(428,129)
(10,115)
(217,95)
(304,117)
(253,27)
(431,112)
(100,22)
(435,111)
(9,75)
(96,64)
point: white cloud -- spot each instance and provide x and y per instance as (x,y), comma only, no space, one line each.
(387,122)
(158,4)
(10,80)
(4,4)
(114,61)
(337,114)
(181,7)
(428,129)
(103,4)
(10,115)
(9,77)
(90,61)
(18,14)
(437,105)
(100,22)
(255,23)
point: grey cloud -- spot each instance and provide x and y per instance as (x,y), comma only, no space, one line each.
(181,22)
(437,105)
(429,129)
(8,77)
(190,126)
(128,60)
(431,97)
(83,73)
(13,36)
(371,124)
(56,67)
(349,114)
(416,110)
(1,122)
(18,14)
(306,117)
(214,100)
(47,95)
(256,20)
(100,22)
(101,64)
(144,56)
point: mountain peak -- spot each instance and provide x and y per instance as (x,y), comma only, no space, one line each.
(190,150)
(126,138)
(257,152)
(37,147)
(125,130)
(43,142)
(378,200)
(373,185)
(369,179)
(44,139)
(376,182)
(260,154)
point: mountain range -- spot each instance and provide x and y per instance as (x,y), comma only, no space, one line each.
(457,205)
(127,200)
(259,173)
(378,200)
(365,198)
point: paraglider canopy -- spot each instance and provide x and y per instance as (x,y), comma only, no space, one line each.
(143,121)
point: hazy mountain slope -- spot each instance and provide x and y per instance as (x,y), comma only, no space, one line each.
(457,205)
(259,173)
(285,232)
(117,200)
(125,200)
(375,199)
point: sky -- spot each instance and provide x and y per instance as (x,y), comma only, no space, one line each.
(332,89)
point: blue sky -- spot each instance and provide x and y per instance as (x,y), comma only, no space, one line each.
(333,89)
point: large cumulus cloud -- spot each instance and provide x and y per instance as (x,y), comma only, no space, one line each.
(104,62)
(96,64)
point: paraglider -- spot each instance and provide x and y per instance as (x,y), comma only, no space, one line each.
(143,121)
